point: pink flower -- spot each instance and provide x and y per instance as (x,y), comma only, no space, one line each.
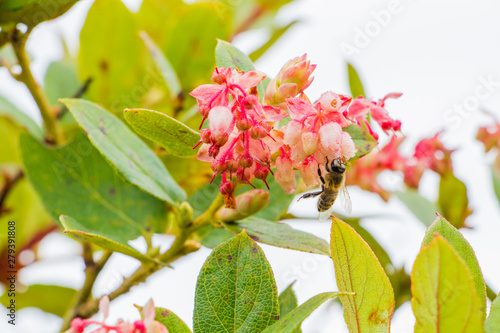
(285,176)
(237,142)
(148,325)
(360,107)
(291,80)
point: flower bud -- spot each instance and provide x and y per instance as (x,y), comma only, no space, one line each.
(284,175)
(247,204)
(218,166)
(220,119)
(243,124)
(291,80)
(261,172)
(185,214)
(205,135)
(227,190)
(245,161)
(231,165)
(258,132)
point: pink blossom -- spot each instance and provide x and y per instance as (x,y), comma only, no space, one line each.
(291,80)
(147,325)
(285,176)
(360,107)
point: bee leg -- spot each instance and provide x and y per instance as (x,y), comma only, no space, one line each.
(327,167)
(320,176)
(312,194)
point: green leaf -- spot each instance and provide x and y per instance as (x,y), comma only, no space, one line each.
(495,177)
(228,56)
(32,12)
(60,81)
(288,302)
(453,200)
(75,180)
(354,82)
(74,228)
(275,34)
(131,157)
(113,55)
(358,270)
(421,207)
(280,235)
(363,140)
(167,71)
(444,293)
(236,290)
(171,134)
(36,296)
(211,237)
(170,320)
(463,249)
(492,324)
(9,110)
(291,322)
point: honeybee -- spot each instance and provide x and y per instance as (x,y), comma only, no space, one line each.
(332,184)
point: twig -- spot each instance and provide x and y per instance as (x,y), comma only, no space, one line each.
(78,94)
(247,23)
(178,249)
(7,187)
(92,270)
(54,131)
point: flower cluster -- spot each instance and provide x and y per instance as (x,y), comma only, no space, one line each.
(245,139)
(429,154)
(147,325)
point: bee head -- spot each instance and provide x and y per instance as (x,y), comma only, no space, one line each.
(338,165)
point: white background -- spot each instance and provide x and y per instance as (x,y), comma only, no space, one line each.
(435,52)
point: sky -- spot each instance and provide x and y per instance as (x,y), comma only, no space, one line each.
(442,55)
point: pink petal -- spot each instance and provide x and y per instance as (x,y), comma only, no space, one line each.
(348,147)
(273,113)
(250,79)
(149,312)
(220,119)
(359,108)
(293,132)
(299,108)
(157,327)
(284,175)
(310,142)
(104,306)
(206,91)
(287,90)
(309,173)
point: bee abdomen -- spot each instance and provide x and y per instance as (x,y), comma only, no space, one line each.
(326,200)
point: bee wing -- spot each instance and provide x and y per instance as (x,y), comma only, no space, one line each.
(345,200)
(326,214)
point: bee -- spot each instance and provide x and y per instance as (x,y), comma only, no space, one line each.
(332,184)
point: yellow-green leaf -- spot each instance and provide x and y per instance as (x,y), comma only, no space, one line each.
(171,134)
(32,12)
(492,324)
(113,55)
(354,82)
(291,322)
(453,200)
(463,249)
(358,270)
(444,293)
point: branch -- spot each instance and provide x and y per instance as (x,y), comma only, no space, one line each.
(7,187)
(54,131)
(248,22)
(78,94)
(92,270)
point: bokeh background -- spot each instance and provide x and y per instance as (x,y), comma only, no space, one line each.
(444,56)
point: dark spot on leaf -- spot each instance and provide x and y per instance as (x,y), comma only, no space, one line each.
(130,164)
(103,130)
(104,65)
(112,191)
(225,298)
(229,257)
(254,249)
(255,238)
(69,182)
(245,301)
(219,261)
(165,313)
(277,317)
(367,147)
